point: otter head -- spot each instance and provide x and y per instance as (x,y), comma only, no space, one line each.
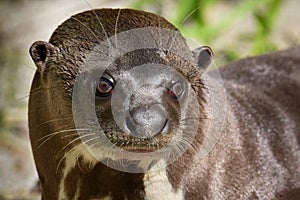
(120,87)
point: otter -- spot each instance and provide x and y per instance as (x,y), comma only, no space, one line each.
(121,108)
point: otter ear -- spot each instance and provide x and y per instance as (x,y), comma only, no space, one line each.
(40,52)
(203,56)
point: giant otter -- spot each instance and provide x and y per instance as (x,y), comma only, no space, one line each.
(119,109)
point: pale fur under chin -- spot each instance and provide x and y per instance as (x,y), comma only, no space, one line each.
(158,186)
(155,180)
(69,164)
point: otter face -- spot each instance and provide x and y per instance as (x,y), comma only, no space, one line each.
(137,109)
(135,96)
(140,109)
(139,104)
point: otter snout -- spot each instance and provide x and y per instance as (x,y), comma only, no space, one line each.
(147,121)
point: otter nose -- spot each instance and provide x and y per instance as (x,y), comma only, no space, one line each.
(145,123)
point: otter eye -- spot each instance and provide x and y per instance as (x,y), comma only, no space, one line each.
(105,86)
(175,91)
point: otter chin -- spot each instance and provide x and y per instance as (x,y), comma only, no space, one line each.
(121,108)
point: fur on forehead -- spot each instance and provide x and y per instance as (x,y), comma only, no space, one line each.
(80,34)
(102,23)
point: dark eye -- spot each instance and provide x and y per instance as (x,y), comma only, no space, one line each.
(175,91)
(105,86)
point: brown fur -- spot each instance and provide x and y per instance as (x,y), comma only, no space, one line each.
(257,157)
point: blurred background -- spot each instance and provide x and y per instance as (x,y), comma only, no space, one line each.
(233,28)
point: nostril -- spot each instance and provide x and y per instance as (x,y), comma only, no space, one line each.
(132,127)
(147,123)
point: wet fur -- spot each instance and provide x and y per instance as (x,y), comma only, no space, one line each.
(257,157)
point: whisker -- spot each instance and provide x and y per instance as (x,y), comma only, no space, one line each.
(45,88)
(53,120)
(95,36)
(28,67)
(101,24)
(64,156)
(159,33)
(24,97)
(57,132)
(83,24)
(92,139)
(116,27)
(183,21)
(74,140)
(31,92)
(90,146)
(186,18)
(157,44)
(69,135)
(51,135)
(36,90)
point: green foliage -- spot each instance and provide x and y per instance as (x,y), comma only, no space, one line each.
(191,18)
(9,61)
(265,18)
(140,3)
(2,120)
